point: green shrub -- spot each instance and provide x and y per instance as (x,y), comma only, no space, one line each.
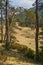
(23,48)
(41,56)
(29,54)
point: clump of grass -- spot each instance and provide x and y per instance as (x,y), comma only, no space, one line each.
(29,53)
(3,56)
(18,47)
(1,52)
(18,28)
(30,43)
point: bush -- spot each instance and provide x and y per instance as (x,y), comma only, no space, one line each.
(29,54)
(23,48)
(15,46)
(19,47)
(41,56)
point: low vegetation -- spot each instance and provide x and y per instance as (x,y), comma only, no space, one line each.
(27,52)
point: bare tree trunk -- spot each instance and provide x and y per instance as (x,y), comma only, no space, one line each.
(1,25)
(37,29)
(7,29)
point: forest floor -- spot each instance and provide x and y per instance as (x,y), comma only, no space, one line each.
(24,36)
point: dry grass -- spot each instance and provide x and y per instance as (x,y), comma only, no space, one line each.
(26,37)
(15,58)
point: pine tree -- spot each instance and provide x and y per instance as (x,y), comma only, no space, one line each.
(37,29)
(7,29)
(41,8)
(1,4)
(41,33)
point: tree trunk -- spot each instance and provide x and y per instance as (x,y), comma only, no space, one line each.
(1,25)
(7,29)
(37,29)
